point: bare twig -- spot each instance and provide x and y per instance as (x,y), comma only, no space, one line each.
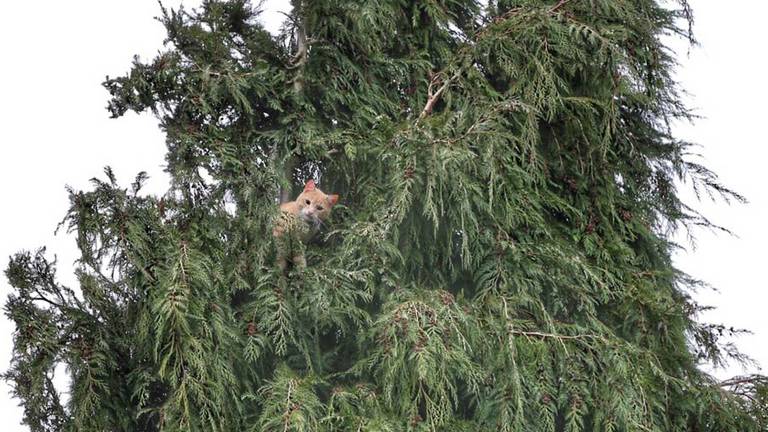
(47,300)
(558,6)
(434,96)
(737,381)
(290,17)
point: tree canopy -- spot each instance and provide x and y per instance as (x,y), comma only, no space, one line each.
(500,259)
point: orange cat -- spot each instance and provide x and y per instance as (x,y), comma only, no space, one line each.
(299,221)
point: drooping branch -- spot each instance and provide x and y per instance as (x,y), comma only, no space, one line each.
(541,335)
(434,95)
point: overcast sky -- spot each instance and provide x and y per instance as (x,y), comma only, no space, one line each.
(54,131)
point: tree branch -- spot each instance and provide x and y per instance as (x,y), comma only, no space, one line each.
(302,48)
(298,62)
(737,381)
(554,336)
(434,96)
(558,6)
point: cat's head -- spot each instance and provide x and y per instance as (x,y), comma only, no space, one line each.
(314,205)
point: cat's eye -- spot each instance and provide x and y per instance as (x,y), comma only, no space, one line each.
(308,202)
(320,208)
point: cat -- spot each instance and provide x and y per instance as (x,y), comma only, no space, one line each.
(299,221)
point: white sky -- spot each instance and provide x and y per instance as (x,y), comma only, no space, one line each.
(55,131)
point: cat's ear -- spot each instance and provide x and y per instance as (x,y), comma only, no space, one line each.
(333,199)
(310,186)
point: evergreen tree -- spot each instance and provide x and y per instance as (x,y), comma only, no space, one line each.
(500,259)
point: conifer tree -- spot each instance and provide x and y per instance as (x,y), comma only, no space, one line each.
(499,260)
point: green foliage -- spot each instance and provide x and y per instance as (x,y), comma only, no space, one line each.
(500,260)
